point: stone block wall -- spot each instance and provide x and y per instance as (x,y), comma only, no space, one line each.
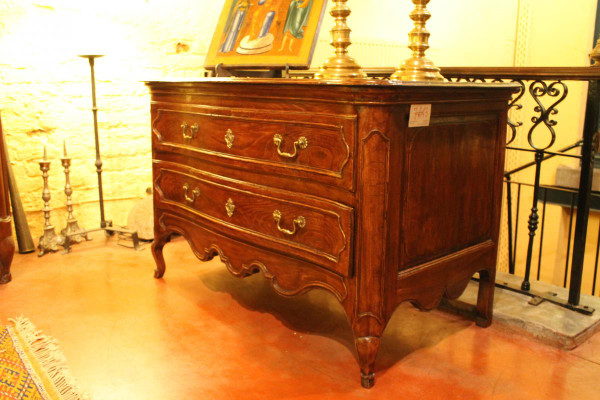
(45,94)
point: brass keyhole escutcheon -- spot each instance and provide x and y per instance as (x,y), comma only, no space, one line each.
(229,207)
(229,138)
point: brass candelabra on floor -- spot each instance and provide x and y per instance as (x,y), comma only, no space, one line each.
(49,241)
(341,65)
(72,231)
(417,67)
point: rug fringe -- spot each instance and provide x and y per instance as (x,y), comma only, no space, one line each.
(50,357)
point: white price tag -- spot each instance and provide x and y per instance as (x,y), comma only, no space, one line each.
(420,114)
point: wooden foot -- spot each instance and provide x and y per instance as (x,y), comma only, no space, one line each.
(367,348)
(5,277)
(7,250)
(485,298)
(157,253)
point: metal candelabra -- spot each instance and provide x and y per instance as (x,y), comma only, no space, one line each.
(418,67)
(341,65)
(49,241)
(72,231)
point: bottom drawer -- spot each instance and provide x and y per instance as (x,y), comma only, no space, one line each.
(307,227)
(289,276)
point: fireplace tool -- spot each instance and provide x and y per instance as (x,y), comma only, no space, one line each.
(105,225)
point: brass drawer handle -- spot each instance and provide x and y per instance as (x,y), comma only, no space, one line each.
(301,143)
(193,130)
(299,223)
(229,137)
(195,193)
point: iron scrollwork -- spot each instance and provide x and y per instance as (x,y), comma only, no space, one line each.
(513,103)
(539,89)
(517,106)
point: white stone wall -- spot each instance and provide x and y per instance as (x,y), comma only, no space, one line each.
(45,93)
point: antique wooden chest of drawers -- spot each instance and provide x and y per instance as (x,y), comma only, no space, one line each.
(330,185)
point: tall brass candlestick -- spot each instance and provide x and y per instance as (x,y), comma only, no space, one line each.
(595,54)
(417,67)
(49,241)
(72,231)
(340,66)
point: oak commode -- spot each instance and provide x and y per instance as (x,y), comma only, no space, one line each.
(319,184)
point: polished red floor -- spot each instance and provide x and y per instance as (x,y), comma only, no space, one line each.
(200,333)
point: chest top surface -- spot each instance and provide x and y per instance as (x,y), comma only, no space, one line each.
(370,91)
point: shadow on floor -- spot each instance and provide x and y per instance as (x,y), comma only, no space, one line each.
(319,313)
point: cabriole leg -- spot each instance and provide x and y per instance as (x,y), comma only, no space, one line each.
(157,253)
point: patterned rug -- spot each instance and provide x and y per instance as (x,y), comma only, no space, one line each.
(32,366)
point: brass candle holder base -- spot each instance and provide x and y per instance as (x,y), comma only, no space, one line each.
(49,241)
(341,65)
(418,68)
(74,232)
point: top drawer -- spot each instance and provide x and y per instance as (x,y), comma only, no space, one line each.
(317,147)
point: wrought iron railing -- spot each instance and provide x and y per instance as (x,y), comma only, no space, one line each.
(542,85)
(551,84)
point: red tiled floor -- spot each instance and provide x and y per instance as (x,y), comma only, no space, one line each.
(202,334)
(590,350)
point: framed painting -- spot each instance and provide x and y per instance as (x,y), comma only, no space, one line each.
(266,34)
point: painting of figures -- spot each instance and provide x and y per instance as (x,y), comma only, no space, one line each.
(266,33)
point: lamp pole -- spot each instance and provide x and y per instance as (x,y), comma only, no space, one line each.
(105,225)
(91,58)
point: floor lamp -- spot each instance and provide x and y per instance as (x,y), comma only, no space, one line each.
(105,225)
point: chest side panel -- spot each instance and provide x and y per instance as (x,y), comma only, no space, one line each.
(451,189)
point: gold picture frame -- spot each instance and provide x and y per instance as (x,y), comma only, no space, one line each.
(274,34)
